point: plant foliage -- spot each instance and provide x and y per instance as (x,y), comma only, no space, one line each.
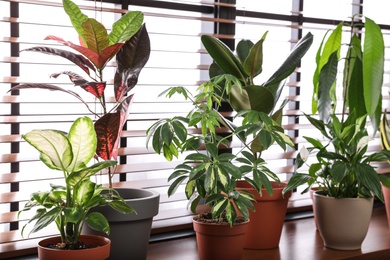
(128,40)
(210,174)
(68,205)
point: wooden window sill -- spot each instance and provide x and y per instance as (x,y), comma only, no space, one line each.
(300,240)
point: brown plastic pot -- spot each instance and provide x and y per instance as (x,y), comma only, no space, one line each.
(101,251)
(266,223)
(220,241)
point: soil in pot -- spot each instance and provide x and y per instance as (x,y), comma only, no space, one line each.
(92,247)
(217,240)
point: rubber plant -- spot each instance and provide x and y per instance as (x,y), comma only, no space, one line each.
(212,175)
(68,205)
(343,166)
(129,42)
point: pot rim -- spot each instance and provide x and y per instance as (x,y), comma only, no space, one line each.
(322,193)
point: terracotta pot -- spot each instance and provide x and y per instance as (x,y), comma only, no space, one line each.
(266,223)
(386,195)
(220,241)
(130,233)
(342,223)
(100,252)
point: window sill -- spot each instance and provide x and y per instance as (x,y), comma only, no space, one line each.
(300,240)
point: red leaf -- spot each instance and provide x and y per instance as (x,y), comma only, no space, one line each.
(98,60)
(107,130)
(77,59)
(95,88)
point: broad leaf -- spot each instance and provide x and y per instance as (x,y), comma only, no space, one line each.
(97,221)
(130,59)
(82,138)
(224,57)
(76,16)
(95,35)
(55,148)
(124,28)
(107,130)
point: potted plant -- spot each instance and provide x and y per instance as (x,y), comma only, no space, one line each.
(129,42)
(212,175)
(342,168)
(69,205)
(384,129)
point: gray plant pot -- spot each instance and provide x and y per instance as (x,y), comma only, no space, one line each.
(130,233)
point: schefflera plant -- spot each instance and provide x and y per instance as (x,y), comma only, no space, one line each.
(211,174)
(129,42)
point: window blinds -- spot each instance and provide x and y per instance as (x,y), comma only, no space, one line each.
(177,59)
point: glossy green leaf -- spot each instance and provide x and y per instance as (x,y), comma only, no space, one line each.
(46,218)
(74,214)
(121,206)
(76,16)
(326,80)
(243,48)
(296,180)
(373,68)
(84,191)
(173,187)
(253,64)
(369,178)
(291,62)
(219,207)
(355,92)
(97,221)
(75,178)
(125,27)
(224,57)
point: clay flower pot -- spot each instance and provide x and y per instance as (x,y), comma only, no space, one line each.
(220,241)
(100,251)
(342,223)
(266,223)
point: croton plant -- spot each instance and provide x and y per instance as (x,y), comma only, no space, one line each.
(129,42)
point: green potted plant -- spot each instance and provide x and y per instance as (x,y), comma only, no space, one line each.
(342,167)
(212,175)
(68,205)
(128,41)
(384,129)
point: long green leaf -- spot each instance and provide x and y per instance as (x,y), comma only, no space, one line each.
(373,66)
(326,80)
(291,61)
